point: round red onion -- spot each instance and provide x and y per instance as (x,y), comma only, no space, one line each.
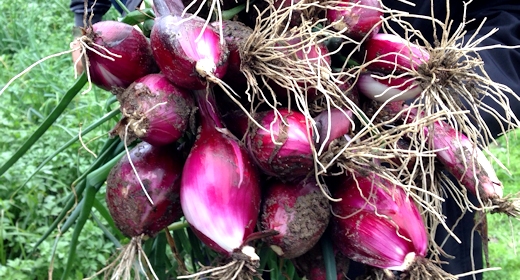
(290,158)
(133,58)
(159,170)
(155,111)
(298,212)
(187,52)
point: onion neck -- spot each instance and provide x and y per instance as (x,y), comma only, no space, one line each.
(208,111)
(169,7)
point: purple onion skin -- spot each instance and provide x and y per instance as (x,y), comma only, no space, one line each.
(183,59)
(122,39)
(220,189)
(168,7)
(299,212)
(376,222)
(293,159)
(388,53)
(161,125)
(358,17)
(160,171)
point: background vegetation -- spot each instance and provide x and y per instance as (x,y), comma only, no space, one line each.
(32,30)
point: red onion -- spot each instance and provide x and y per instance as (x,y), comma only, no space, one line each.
(129,55)
(357,17)
(383,87)
(187,52)
(330,129)
(154,110)
(459,155)
(220,192)
(388,52)
(290,157)
(298,212)
(159,169)
(465,161)
(376,223)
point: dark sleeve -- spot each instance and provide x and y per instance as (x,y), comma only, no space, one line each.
(99,10)
(501,64)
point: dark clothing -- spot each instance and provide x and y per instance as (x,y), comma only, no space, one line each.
(99,9)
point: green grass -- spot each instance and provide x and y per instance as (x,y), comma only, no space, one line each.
(30,31)
(504,232)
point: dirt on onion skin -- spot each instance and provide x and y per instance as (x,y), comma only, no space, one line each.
(306,214)
(159,170)
(138,118)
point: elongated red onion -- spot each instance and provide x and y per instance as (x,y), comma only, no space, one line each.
(459,155)
(188,52)
(299,213)
(383,88)
(357,17)
(220,191)
(388,53)
(130,56)
(159,170)
(155,111)
(465,161)
(376,223)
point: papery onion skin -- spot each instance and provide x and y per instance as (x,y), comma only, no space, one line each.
(147,117)
(135,55)
(290,158)
(159,169)
(391,53)
(358,18)
(382,228)
(386,88)
(184,58)
(299,213)
(220,189)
